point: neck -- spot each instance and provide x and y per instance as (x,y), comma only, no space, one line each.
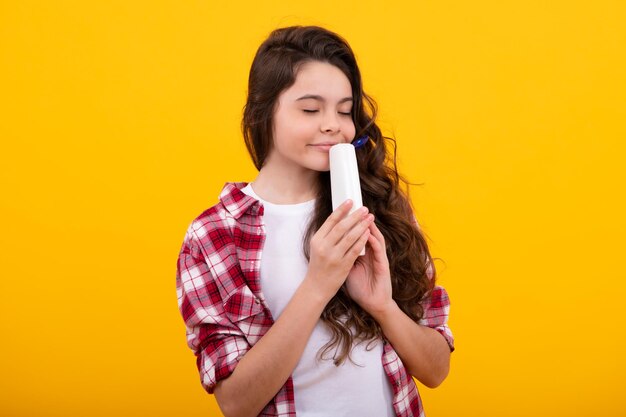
(285,185)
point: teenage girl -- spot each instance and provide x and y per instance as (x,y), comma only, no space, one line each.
(284,316)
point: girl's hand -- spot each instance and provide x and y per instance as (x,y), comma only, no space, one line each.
(335,247)
(369,281)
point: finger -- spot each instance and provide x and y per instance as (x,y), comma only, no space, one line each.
(379,259)
(378,235)
(346,241)
(335,217)
(358,246)
(378,245)
(374,244)
(346,224)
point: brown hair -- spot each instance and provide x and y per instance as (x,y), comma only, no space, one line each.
(413,275)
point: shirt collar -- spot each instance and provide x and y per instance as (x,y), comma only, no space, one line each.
(237,202)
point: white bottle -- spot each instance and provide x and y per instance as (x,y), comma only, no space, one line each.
(344,177)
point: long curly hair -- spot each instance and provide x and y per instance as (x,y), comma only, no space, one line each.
(274,69)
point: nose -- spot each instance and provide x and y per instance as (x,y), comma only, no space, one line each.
(330,123)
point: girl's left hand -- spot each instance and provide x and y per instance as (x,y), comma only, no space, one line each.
(369,280)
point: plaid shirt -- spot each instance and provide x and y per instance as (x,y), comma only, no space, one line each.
(225,314)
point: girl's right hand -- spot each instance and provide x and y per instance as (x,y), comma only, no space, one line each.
(335,247)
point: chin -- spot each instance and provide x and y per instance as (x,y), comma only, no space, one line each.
(320,165)
(319,169)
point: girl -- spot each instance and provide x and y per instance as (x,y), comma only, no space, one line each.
(284,316)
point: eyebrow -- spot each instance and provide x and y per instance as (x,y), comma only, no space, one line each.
(320,98)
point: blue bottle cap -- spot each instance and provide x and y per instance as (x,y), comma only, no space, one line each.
(360,141)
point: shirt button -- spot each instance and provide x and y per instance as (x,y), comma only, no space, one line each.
(256,300)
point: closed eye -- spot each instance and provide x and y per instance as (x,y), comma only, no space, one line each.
(315,111)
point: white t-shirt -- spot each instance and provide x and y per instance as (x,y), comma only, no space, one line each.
(321,389)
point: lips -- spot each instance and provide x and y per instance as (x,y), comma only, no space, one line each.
(323,146)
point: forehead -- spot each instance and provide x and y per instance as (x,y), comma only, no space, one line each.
(320,79)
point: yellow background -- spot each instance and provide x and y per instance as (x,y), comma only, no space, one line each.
(120,124)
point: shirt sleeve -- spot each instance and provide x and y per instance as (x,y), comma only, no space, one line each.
(217,343)
(436,311)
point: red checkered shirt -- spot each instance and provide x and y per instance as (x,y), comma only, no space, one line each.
(220,299)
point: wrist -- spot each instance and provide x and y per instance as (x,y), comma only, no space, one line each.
(385,312)
(311,289)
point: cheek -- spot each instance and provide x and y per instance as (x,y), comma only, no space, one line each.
(289,138)
(284,128)
(292,124)
(350,129)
